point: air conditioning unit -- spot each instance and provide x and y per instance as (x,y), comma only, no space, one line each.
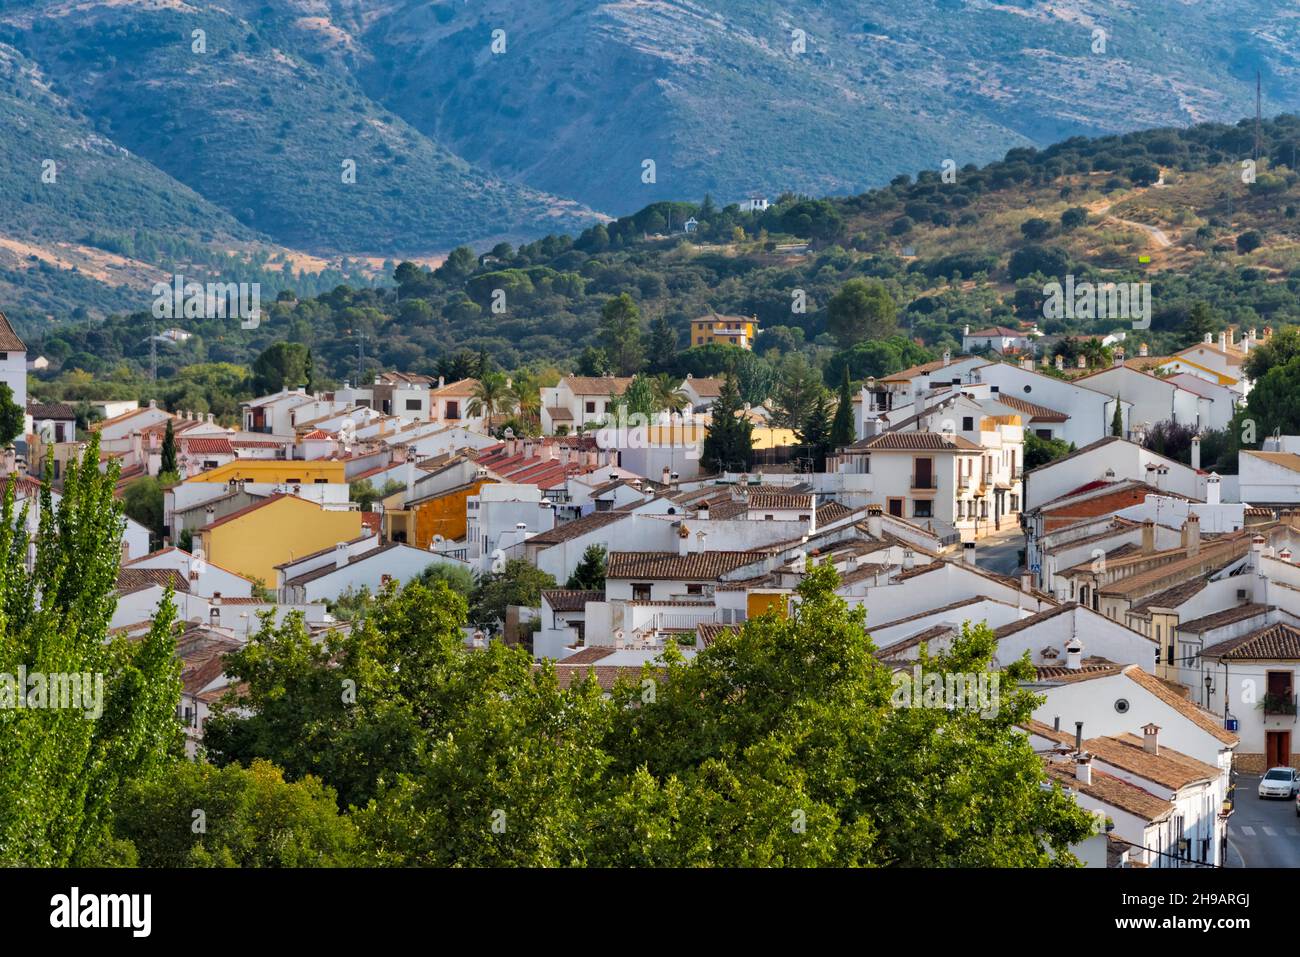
(1242,594)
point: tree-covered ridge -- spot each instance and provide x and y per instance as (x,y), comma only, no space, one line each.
(872,283)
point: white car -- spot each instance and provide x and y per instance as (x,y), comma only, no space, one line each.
(1279,783)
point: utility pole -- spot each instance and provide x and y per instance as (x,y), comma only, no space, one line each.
(361,356)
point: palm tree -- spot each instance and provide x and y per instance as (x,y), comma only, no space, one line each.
(492,396)
(667,395)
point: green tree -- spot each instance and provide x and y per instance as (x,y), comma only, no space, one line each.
(1117,420)
(620,335)
(1040,451)
(663,344)
(12,416)
(457,577)
(491,397)
(251,818)
(1279,349)
(589,575)
(281,366)
(798,388)
(60,772)
(142,500)
(729,441)
(862,309)
(168,465)
(814,433)
(843,429)
(1200,323)
(519,582)
(638,398)
(667,393)
(1274,401)
(364,493)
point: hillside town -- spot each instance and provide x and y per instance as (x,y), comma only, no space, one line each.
(1158,603)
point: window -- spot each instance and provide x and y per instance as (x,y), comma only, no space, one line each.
(1043,433)
(922,508)
(641,591)
(322,481)
(967,423)
(413,405)
(591,408)
(768,518)
(453,410)
(694,589)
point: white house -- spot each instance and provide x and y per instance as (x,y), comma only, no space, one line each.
(1090,411)
(999,339)
(577,401)
(13,362)
(1153,399)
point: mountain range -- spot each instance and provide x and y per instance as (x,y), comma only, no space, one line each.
(308,141)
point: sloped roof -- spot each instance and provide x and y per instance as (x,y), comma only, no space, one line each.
(9,341)
(1208,722)
(1035,412)
(570,599)
(670,565)
(916,442)
(1278,642)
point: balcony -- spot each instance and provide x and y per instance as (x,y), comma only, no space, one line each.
(924,483)
(1279,704)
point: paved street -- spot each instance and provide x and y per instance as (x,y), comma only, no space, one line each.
(1000,553)
(1265,833)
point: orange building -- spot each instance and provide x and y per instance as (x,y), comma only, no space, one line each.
(714,329)
(442,513)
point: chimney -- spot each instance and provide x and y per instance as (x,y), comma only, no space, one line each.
(408,476)
(1142,349)
(666,473)
(441,382)
(1083,362)
(1078,737)
(1285,555)
(1192,535)
(1223,340)
(1209,338)
(965,330)
(210,418)
(875,521)
(1026,582)
(137,448)
(702,541)
(1196,452)
(947,357)
(909,559)
(210,514)
(968,553)
(702,511)
(1083,768)
(1148,537)
(1213,492)
(683,540)
(1026,362)
(341,555)
(1117,358)
(1074,654)
(1060,363)
(1151,738)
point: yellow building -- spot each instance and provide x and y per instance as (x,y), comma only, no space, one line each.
(443,513)
(253,540)
(275,472)
(714,329)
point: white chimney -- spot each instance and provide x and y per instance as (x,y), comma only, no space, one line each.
(1196,452)
(875,521)
(683,540)
(702,511)
(666,474)
(1142,349)
(341,555)
(1151,738)
(1209,338)
(947,356)
(702,540)
(909,558)
(1223,340)
(1026,582)
(1083,362)
(409,476)
(1074,654)
(1212,489)
(1060,363)
(1083,768)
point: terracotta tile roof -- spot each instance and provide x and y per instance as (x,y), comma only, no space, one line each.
(992,331)
(706,388)
(1111,790)
(597,385)
(50,410)
(559,413)
(9,341)
(606,675)
(780,500)
(1205,720)
(1288,460)
(588,655)
(1278,642)
(1036,413)
(669,565)
(707,632)
(1228,616)
(570,599)
(577,527)
(832,512)
(1171,597)
(207,445)
(1168,768)
(1094,668)
(130,580)
(461,388)
(916,442)
(924,368)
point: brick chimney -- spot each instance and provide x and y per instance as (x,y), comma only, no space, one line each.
(1148,537)
(1192,535)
